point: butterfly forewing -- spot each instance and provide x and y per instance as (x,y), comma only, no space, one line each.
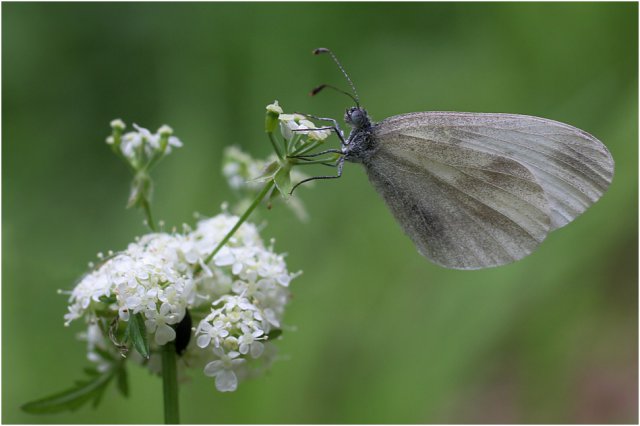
(573,168)
(463,208)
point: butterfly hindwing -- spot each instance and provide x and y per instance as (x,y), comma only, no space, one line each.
(463,208)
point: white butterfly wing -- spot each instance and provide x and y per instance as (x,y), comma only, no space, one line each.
(481,190)
(573,168)
(464,209)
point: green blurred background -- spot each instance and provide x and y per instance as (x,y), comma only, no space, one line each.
(382,335)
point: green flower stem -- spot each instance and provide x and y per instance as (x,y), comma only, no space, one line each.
(274,143)
(327,161)
(242,219)
(306,148)
(147,212)
(170,384)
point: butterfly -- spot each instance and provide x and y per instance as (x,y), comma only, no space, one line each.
(474,190)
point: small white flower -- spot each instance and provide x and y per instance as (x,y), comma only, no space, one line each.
(231,302)
(291,117)
(158,323)
(141,142)
(249,340)
(319,135)
(223,370)
(211,332)
(287,128)
(274,107)
(296,123)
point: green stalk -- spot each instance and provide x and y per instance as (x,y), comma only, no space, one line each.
(274,143)
(170,384)
(147,212)
(242,219)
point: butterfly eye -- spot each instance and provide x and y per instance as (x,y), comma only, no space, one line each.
(355,117)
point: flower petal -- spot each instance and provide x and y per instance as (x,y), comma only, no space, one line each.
(226,381)
(203,340)
(164,334)
(213,368)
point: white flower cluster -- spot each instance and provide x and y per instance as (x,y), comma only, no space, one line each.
(141,142)
(236,299)
(302,125)
(241,170)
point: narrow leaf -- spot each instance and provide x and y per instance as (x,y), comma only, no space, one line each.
(137,332)
(123,380)
(99,393)
(71,399)
(268,172)
(104,354)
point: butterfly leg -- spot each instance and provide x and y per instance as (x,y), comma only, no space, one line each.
(317,154)
(340,165)
(336,128)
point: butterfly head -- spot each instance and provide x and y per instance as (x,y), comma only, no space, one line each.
(357,118)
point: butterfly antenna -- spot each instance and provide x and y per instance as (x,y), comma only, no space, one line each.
(335,59)
(323,86)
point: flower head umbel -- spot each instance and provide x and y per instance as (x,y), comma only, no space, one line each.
(141,150)
(299,137)
(210,297)
(236,299)
(139,147)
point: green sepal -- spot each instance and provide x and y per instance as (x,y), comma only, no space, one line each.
(82,392)
(136,333)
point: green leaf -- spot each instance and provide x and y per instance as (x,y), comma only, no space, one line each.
(108,299)
(274,334)
(99,393)
(89,371)
(123,381)
(104,354)
(268,172)
(71,399)
(137,332)
(283,181)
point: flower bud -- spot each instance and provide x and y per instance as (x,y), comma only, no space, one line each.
(117,127)
(271,121)
(118,124)
(165,132)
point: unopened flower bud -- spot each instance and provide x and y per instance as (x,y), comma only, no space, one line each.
(118,125)
(165,130)
(271,121)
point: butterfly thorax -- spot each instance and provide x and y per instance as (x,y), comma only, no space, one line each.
(360,145)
